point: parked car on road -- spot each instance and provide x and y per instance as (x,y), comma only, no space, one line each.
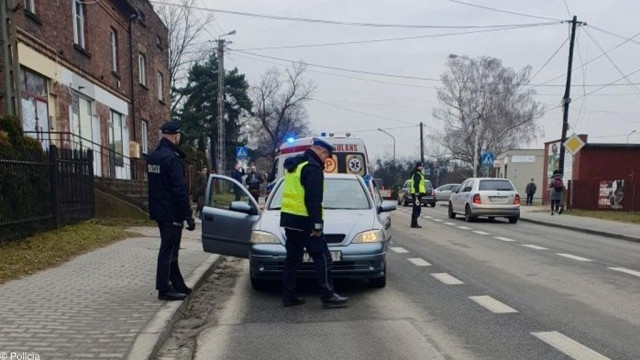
(355,229)
(443,193)
(491,197)
(406,198)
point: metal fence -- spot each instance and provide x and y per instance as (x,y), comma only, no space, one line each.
(601,194)
(46,193)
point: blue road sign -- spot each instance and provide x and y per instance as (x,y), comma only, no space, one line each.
(487,159)
(241,152)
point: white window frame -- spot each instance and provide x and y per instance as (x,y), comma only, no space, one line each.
(160,86)
(30,6)
(145,137)
(113,36)
(78,23)
(142,69)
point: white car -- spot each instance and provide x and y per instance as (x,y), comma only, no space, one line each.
(443,193)
(491,197)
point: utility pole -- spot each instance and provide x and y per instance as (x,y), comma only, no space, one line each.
(9,53)
(421,143)
(566,100)
(221,122)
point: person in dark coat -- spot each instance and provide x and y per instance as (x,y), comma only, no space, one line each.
(169,207)
(418,190)
(530,191)
(302,218)
(557,190)
(237,173)
(253,181)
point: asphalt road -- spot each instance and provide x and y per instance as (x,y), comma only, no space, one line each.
(485,290)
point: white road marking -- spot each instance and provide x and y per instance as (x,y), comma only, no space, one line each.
(447,279)
(399,250)
(535,247)
(568,346)
(436,220)
(493,305)
(574,257)
(464,228)
(504,238)
(418,262)
(448,223)
(427,217)
(628,271)
(481,232)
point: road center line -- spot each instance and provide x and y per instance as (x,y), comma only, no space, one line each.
(464,228)
(418,262)
(399,250)
(504,238)
(535,247)
(447,279)
(574,257)
(481,232)
(448,223)
(628,271)
(493,305)
(438,220)
(427,217)
(568,346)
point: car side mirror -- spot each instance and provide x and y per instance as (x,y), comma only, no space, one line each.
(387,206)
(243,207)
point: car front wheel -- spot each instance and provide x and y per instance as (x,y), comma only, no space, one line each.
(452,215)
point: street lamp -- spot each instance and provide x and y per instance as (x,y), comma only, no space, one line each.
(394,143)
(477,126)
(633,131)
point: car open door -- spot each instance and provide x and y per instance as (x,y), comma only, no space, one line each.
(228,217)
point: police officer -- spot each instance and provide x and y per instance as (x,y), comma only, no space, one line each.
(301,217)
(418,189)
(169,206)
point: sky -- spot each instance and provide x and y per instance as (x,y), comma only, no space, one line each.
(360,102)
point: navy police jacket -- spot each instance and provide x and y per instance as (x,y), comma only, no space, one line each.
(168,199)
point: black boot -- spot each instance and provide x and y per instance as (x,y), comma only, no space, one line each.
(416,226)
(293,301)
(335,301)
(171,295)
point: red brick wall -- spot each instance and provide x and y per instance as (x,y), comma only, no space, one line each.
(608,163)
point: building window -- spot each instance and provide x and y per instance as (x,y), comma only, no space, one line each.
(159,41)
(30,6)
(34,104)
(145,137)
(82,122)
(160,92)
(142,68)
(115,139)
(114,49)
(78,23)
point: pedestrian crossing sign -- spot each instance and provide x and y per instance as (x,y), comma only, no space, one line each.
(241,152)
(487,159)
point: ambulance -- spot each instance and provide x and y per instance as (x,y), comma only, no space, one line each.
(350,156)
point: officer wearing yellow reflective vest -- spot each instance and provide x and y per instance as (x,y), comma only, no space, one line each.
(301,217)
(418,190)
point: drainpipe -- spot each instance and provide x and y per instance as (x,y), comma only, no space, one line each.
(132,18)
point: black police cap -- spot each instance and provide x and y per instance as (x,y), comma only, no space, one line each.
(170,127)
(324,144)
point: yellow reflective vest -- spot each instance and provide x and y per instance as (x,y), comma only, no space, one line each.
(421,186)
(293,194)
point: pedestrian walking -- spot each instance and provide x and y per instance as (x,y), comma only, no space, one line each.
(169,207)
(418,189)
(530,190)
(301,217)
(253,181)
(199,189)
(557,189)
(237,173)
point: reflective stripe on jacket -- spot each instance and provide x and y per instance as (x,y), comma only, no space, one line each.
(422,188)
(293,193)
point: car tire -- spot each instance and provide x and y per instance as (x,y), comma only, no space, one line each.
(452,215)
(492,218)
(259,285)
(433,204)
(513,219)
(380,282)
(404,202)
(467,215)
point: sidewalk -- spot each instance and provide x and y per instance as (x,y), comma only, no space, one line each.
(615,229)
(97,304)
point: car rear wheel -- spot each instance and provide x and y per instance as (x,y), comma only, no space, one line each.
(452,215)
(467,215)
(433,204)
(404,202)
(513,219)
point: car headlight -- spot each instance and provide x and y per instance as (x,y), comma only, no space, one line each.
(368,237)
(263,237)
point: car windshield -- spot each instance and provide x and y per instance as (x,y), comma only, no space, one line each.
(347,194)
(495,185)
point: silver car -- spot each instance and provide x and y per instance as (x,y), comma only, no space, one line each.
(355,228)
(443,193)
(491,197)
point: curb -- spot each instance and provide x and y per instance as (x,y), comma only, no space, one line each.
(151,338)
(588,231)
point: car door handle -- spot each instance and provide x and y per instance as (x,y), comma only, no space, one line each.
(208,218)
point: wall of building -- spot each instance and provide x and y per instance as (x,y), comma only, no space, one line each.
(520,166)
(608,162)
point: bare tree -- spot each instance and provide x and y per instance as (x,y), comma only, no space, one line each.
(184,28)
(279,108)
(482,95)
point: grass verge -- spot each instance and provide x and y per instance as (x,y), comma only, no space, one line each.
(52,248)
(623,216)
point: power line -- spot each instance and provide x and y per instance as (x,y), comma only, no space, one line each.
(503,11)
(615,35)
(566,6)
(397,38)
(610,84)
(360,112)
(346,23)
(377,129)
(550,58)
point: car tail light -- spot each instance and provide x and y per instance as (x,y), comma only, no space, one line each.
(476,199)
(433,192)
(516,200)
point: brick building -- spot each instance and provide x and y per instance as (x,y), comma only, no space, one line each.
(94,74)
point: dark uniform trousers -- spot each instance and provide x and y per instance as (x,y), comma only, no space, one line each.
(168,275)
(317,248)
(417,209)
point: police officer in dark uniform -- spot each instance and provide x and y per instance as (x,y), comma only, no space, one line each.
(418,189)
(301,217)
(169,206)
